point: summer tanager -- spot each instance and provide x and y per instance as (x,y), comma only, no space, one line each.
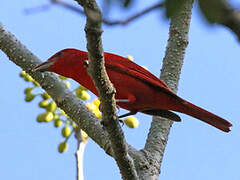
(137,90)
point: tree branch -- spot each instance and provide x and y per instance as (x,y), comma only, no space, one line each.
(96,69)
(65,99)
(104,20)
(134,16)
(172,64)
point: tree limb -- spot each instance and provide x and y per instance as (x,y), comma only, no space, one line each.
(134,16)
(104,20)
(64,98)
(172,64)
(96,69)
(230,17)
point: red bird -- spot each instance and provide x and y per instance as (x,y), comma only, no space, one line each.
(137,90)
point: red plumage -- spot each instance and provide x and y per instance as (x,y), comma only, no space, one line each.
(143,91)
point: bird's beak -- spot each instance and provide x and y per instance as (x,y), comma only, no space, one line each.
(43,66)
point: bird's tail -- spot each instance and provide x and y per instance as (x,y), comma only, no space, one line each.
(205,116)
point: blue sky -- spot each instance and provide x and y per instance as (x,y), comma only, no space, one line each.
(209,78)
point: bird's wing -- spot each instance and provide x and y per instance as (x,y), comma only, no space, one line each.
(123,65)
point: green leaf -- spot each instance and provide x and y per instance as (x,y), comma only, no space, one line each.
(127,3)
(212,10)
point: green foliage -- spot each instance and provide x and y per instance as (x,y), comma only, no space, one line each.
(212,10)
(126,3)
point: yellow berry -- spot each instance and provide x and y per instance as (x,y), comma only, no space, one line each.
(85,96)
(62,147)
(67,84)
(28,78)
(22,74)
(84,135)
(63,113)
(45,96)
(57,123)
(55,116)
(130,58)
(28,90)
(131,122)
(29,97)
(66,131)
(91,106)
(97,102)
(62,77)
(74,125)
(43,103)
(78,92)
(40,118)
(82,94)
(145,67)
(97,113)
(45,117)
(35,83)
(49,116)
(52,106)
(82,88)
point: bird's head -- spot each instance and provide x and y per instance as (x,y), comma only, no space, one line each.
(64,62)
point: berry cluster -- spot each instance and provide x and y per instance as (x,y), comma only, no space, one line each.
(51,112)
(59,118)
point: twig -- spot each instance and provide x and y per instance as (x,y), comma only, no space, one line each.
(80,153)
(65,99)
(43,7)
(68,6)
(134,16)
(172,64)
(97,71)
(104,20)
(79,157)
